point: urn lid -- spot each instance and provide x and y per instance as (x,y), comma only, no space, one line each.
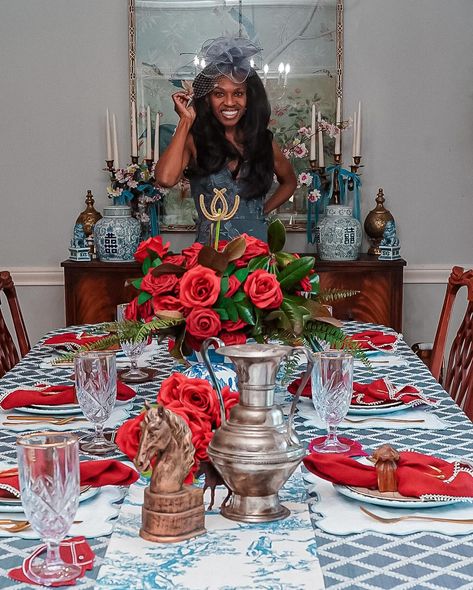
(117,211)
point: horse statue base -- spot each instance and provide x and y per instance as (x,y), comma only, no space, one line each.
(173,517)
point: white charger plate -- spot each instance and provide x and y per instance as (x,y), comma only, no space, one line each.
(59,410)
(15,505)
(375,497)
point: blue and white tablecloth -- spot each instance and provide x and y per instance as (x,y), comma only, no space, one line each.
(360,561)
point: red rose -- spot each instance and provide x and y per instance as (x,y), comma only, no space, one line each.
(230,338)
(166,302)
(198,395)
(254,247)
(230,326)
(154,244)
(177,259)
(128,436)
(199,286)
(201,440)
(165,283)
(222,244)
(170,388)
(191,253)
(131,310)
(263,289)
(192,342)
(233,286)
(203,322)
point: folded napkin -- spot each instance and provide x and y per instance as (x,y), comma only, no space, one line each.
(73,338)
(375,340)
(418,475)
(74,551)
(382,390)
(104,472)
(375,393)
(54,395)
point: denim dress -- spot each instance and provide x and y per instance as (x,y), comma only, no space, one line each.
(249,217)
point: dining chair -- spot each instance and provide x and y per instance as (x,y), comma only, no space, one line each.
(8,351)
(457,374)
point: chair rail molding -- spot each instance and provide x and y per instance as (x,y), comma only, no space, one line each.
(51,276)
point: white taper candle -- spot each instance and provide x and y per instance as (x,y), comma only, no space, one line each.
(116,163)
(109,143)
(148,134)
(134,143)
(338,137)
(355,134)
(358,134)
(156,138)
(313,128)
(321,143)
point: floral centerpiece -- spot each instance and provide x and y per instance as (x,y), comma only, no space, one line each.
(135,186)
(196,402)
(243,289)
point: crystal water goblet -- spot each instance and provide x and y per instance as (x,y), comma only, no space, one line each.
(48,466)
(96,390)
(133,346)
(332,388)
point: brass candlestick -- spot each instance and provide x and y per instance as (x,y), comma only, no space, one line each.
(109,165)
(134,159)
(149,163)
(354,168)
(375,223)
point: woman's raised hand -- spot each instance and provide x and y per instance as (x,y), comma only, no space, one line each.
(182,105)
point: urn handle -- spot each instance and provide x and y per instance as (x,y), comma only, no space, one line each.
(310,363)
(205,355)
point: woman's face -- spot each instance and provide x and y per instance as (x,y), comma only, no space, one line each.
(228,101)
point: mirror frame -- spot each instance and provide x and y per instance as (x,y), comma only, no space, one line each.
(297,227)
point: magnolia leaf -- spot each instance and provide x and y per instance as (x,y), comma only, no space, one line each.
(224,285)
(241,274)
(239,296)
(223,313)
(276,236)
(143,297)
(168,268)
(245,312)
(231,309)
(258,262)
(235,249)
(210,258)
(135,282)
(295,314)
(168,314)
(330,320)
(157,262)
(281,319)
(284,258)
(295,271)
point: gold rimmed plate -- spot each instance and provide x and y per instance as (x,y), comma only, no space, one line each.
(387,407)
(389,499)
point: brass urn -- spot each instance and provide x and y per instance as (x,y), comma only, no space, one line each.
(89,216)
(375,223)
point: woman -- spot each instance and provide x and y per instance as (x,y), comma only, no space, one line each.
(222,141)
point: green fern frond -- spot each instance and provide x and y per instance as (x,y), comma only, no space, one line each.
(103,344)
(158,325)
(331,295)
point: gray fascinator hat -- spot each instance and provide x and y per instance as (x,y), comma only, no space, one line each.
(224,56)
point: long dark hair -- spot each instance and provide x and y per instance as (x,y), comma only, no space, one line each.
(256,166)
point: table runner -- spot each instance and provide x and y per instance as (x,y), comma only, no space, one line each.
(356,562)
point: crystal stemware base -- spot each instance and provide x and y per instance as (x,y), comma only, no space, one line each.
(331,444)
(47,574)
(94,445)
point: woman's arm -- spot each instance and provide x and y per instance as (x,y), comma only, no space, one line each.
(286,178)
(174,160)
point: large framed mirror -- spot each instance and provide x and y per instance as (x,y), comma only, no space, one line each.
(301,64)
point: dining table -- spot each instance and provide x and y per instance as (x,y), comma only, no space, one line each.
(351,557)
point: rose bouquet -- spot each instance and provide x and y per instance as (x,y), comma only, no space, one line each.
(196,402)
(244,289)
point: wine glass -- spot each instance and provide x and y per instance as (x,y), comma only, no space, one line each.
(332,388)
(96,390)
(133,346)
(120,313)
(48,465)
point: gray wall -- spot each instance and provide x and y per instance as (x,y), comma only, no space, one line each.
(64,61)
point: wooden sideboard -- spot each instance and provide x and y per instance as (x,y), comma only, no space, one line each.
(94,289)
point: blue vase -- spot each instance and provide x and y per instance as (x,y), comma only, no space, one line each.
(338,235)
(224,374)
(117,234)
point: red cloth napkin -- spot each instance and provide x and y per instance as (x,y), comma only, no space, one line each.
(103,472)
(380,390)
(75,551)
(417,474)
(375,339)
(375,393)
(54,395)
(73,338)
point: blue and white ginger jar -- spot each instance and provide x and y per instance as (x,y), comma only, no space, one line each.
(224,374)
(338,235)
(117,234)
